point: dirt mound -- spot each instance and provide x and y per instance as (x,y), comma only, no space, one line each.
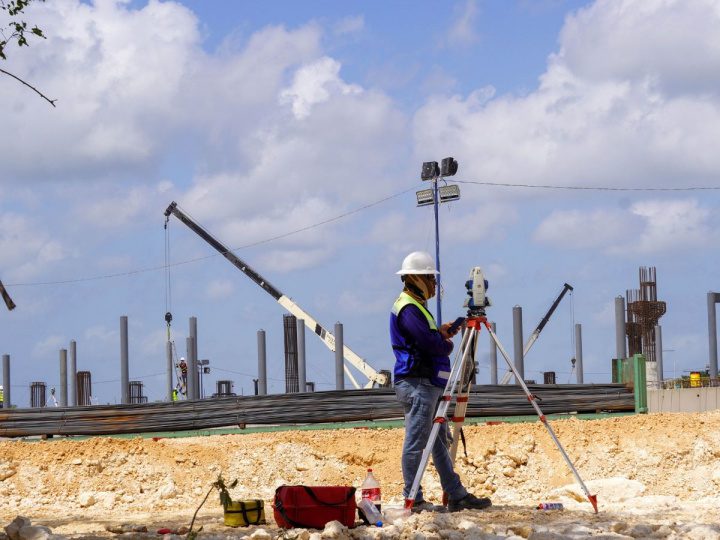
(658,466)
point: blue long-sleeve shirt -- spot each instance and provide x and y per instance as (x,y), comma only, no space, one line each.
(428,343)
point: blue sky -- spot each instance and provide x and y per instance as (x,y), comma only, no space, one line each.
(262,119)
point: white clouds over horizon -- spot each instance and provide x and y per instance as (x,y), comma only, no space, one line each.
(647,227)
(607,110)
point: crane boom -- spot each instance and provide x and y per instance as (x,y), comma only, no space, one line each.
(536,333)
(374,377)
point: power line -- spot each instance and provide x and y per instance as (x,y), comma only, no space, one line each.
(589,188)
(188,261)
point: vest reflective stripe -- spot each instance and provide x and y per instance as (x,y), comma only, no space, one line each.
(405,299)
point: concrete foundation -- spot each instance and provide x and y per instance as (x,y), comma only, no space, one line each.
(683,399)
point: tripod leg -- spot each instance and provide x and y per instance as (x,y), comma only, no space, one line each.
(531,399)
(463,396)
(442,408)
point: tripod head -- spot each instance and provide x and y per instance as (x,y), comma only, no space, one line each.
(477,287)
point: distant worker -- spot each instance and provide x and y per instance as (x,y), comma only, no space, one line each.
(183,371)
(175,394)
(422,368)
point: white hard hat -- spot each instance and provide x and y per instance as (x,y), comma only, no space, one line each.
(418,262)
(182,358)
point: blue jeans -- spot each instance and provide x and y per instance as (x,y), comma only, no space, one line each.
(419,398)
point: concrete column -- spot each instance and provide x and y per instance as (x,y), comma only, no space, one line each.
(659,355)
(124,371)
(518,341)
(339,371)
(169,375)
(196,373)
(73,374)
(6,381)
(493,358)
(63,378)
(262,364)
(192,365)
(712,299)
(620,337)
(578,354)
(302,374)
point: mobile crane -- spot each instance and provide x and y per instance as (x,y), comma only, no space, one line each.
(373,376)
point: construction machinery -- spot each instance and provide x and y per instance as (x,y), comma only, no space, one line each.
(374,377)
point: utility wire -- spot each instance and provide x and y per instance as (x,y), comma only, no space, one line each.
(188,261)
(589,188)
(355,211)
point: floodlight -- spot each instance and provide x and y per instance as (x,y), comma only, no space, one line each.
(430,170)
(448,193)
(449,167)
(425,197)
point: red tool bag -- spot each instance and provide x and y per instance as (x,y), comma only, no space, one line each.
(312,507)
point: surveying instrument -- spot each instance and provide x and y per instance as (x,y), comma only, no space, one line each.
(459,383)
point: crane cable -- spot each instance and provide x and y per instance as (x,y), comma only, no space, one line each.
(168,312)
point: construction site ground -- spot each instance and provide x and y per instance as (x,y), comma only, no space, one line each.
(656,476)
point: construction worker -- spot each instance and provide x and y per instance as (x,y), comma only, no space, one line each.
(422,368)
(183,371)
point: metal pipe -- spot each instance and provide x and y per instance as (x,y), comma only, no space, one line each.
(262,364)
(339,371)
(620,343)
(659,355)
(192,365)
(73,374)
(302,374)
(124,371)
(712,299)
(493,359)
(518,341)
(195,372)
(169,378)
(578,354)
(63,378)
(7,402)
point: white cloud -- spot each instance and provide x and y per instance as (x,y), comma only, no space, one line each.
(288,260)
(25,248)
(102,335)
(463,32)
(116,73)
(50,347)
(220,288)
(315,83)
(646,227)
(593,120)
(349,25)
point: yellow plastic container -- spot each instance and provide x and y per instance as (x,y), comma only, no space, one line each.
(694,379)
(244,513)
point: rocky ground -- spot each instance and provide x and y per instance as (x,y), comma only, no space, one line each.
(656,476)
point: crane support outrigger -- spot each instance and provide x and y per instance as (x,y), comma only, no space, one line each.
(374,377)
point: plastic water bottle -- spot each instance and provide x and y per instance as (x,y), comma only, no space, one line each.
(370,490)
(550,506)
(371,513)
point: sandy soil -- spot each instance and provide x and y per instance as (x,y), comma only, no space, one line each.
(656,476)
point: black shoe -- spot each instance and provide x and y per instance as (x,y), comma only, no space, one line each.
(424,506)
(469,502)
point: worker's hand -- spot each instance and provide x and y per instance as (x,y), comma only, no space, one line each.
(445,331)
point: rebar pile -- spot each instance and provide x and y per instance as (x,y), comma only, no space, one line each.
(304,408)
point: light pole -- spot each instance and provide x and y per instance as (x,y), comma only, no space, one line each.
(203,366)
(431,171)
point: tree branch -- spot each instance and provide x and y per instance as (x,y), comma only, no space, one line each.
(50,101)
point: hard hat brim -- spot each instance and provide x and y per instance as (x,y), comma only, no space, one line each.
(416,272)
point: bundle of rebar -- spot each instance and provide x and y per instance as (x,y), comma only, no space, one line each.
(299,408)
